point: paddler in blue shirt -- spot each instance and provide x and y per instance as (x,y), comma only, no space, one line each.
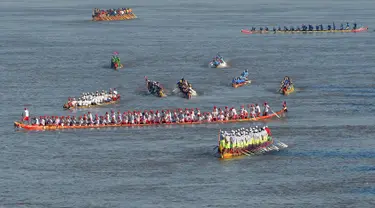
(274,29)
(334,26)
(266,29)
(317,27)
(329,27)
(354,26)
(347,26)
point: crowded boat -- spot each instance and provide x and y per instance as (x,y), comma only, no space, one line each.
(286,86)
(155,88)
(308,28)
(185,88)
(218,62)
(247,141)
(116,62)
(98,98)
(241,80)
(152,117)
(112,14)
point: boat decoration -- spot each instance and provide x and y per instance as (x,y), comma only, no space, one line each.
(115,61)
(146,118)
(113,14)
(307,29)
(93,99)
(247,142)
(155,88)
(241,80)
(185,88)
(218,62)
(286,86)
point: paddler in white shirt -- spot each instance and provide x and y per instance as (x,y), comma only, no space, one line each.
(257,110)
(266,109)
(215,113)
(233,113)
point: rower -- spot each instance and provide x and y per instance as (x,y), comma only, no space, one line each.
(279,28)
(298,28)
(329,27)
(291,28)
(334,26)
(354,26)
(342,26)
(317,27)
(347,26)
(285,28)
(266,29)
(266,109)
(261,29)
(25,115)
(311,28)
(274,29)
(321,27)
(257,110)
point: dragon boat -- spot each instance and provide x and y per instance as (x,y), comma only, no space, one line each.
(186,89)
(246,142)
(155,88)
(358,30)
(241,80)
(36,127)
(91,100)
(115,62)
(113,14)
(218,62)
(287,86)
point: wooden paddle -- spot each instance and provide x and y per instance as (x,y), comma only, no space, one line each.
(275,113)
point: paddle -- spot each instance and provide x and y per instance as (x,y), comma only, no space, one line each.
(275,113)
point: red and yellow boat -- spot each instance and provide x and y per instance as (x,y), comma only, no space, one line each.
(245,152)
(113,15)
(57,127)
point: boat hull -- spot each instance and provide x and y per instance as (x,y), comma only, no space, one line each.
(114,18)
(288,91)
(55,127)
(241,84)
(229,155)
(361,29)
(92,106)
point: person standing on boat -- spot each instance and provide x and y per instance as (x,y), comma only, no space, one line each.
(26,116)
(266,109)
(257,110)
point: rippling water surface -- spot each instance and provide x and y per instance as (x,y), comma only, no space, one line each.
(50,50)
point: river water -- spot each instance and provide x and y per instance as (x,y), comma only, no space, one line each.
(50,50)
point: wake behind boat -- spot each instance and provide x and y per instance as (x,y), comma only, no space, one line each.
(155,88)
(247,142)
(307,29)
(241,80)
(94,99)
(186,89)
(218,62)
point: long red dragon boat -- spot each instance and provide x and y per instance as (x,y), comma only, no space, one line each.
(57,127)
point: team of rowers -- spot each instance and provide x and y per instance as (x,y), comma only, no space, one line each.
(115,60)
(242,78)
(155,117)
(244,139)
(111,12)
(307,28)
(93,98)
(286,83)
(184,86)
(154,87)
